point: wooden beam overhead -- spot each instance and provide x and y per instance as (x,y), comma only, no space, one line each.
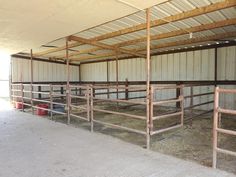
(181,16)
(105,46)
(195,29)
(170,44)
(172,18)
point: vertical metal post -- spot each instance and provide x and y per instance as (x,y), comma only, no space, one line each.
(31,80)
(88,103)
(215,126)
(181,96)
(68,83)
(108,79)
(22,96)
(80,90)
(191,104)
(126,90)
(91,107)
(151,109)
(117,76)
(39,89)
(216,66)
(10,84)
(148,79)
(177,96)
(51,100)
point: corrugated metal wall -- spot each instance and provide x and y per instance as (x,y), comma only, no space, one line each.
(43,71)
(227,71)
(193,65)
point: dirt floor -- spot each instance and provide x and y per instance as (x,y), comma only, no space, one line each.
(193,143)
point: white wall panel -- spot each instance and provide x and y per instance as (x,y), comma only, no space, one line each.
(227,71)
(43,71)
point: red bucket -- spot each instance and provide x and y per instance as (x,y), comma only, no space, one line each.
(19,105)
(42,112)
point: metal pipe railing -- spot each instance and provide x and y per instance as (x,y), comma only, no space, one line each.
(216,127)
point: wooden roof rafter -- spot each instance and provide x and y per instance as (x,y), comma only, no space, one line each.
(181,16)
(170,44)
(105,46)
(195,29)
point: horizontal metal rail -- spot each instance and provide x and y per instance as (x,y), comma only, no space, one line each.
(229,132)
(227,90)
(78,107)
(200,104)
(197,95)
(119,113)
(226,151)
(165,129)
(167,101)
(80,117)
(118,100)
(227,111)
(166,116)
(120,127)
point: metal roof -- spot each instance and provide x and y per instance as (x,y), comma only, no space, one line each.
(167,9)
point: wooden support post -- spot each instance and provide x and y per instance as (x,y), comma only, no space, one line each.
(148,80)
(126,90)
(31,81)
(215,126)
(68,83)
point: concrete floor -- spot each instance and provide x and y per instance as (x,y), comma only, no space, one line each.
(32,146)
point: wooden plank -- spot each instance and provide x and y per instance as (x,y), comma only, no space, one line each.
(104,46)
(195,29)
(162,36)
(170,44)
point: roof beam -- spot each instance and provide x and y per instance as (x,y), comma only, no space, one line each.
(105,46)
(181,16)
(170,44)
(195,29)
(173,18)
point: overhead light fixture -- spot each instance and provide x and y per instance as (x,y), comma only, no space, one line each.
(217,43)
(191,35)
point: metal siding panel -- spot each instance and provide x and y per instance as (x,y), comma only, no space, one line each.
(221,63)
(190,66)
(183,66)
(197,62)
(170,66)
(176,66)
(164,67)
(211,64)
(204,65)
